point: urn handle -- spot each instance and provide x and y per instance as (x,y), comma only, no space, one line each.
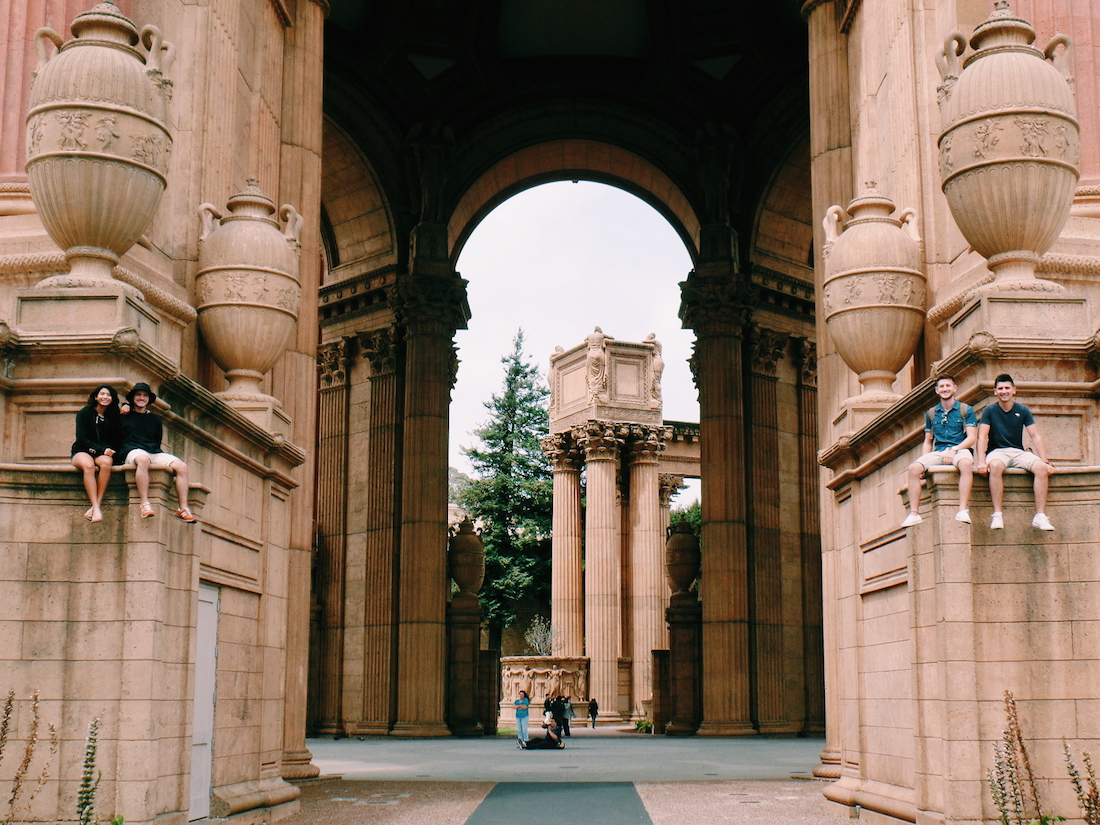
(209,215)
(947,61)
(908,218)
(1062,60)
(40,37)
(831,223)
(160,54)
(294,221)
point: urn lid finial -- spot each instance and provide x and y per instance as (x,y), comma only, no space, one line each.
(105,23)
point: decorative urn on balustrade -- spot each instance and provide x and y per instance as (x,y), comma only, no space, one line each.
(682,556)
(874,289)
(466,559)
(1010,151)
(97,139)
(247,287)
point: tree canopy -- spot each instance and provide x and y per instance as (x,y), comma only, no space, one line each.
(511,495)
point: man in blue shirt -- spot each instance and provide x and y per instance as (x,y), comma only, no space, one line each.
(1001,447)
(950,430)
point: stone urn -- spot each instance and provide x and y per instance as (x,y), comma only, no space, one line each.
(874,289)
(247,288)
(97,139)
(682,556)
(1010,151)
(466,559)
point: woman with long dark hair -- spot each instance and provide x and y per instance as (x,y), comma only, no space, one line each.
(98,434)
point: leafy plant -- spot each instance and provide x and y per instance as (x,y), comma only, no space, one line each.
(30,748)
(540,636)
(89,778)
(1011,781)
(1087,797)
(643,726)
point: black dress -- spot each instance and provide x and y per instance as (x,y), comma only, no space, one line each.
(95,434)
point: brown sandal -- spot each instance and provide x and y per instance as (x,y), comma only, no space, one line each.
(186,515)
(147,511)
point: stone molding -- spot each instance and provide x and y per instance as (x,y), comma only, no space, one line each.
(332,364)
(381,349)
(55,262)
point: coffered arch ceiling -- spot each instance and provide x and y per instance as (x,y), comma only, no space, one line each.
(659,84)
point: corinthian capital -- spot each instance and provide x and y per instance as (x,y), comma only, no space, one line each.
(600,440)
(332,364)
(768,347)
(807,358)
(380,349)
(647,442)
(562,453)
(431,304)
(667,486)
(713,305)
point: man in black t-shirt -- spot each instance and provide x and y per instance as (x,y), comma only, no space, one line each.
(1001,446)
(142,434)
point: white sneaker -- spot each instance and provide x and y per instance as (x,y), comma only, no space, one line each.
(963,516)
(997,522)
(911,519)
(1042,522)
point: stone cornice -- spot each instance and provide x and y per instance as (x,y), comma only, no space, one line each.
(369,293)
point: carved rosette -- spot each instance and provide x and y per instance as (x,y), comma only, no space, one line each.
(1010,150)
(97,139)
(874,290)
(247,288)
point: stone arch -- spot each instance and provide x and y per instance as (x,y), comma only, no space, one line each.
(571,159)
(783,230)
(359,218)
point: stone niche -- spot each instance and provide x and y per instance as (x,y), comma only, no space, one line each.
(605,379)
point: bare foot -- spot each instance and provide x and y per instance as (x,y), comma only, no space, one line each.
(96,516)
(90,512)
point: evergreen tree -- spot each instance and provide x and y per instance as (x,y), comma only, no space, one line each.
(511,496)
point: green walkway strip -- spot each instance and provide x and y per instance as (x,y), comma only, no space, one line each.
(552,803)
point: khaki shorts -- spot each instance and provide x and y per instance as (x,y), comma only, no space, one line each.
(1013,458)
(159,460)
(935,459)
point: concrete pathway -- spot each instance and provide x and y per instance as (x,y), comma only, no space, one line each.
(602,777)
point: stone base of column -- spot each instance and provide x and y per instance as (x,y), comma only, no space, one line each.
(463,654)
(830,764)
(298,764)
(685,633)
(726,729)
(369,729)
(420,730)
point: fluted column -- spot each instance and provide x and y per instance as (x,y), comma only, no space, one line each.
(668,485)
(332,462)
(430,309)
(566,576)
(714,307)
(19,20)
(382,351)
(649,590)
(766,563)
(602,442)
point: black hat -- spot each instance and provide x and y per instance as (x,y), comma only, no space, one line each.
(139,387)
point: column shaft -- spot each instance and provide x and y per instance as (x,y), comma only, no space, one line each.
(649,590)
(566,576)
(602,558)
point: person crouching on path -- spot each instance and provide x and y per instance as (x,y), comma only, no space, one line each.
(950,430)
(1001,447)
(94,452)
(142,434)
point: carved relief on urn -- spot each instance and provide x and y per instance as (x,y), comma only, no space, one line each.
(97,139)
(1010,151)
(874,289)
(247,287)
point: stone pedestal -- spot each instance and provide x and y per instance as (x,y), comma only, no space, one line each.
(463,654)
(684,617)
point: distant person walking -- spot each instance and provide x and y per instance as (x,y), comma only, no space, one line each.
(568,715)
(523,704)
(593,710)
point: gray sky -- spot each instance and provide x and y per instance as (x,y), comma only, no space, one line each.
(558,260)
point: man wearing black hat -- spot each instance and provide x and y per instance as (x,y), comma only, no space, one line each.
(142,434)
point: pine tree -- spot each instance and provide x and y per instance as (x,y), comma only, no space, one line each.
(511,496)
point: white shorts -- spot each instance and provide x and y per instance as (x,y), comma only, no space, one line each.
(935,458)
(1013,458)
(161,461)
